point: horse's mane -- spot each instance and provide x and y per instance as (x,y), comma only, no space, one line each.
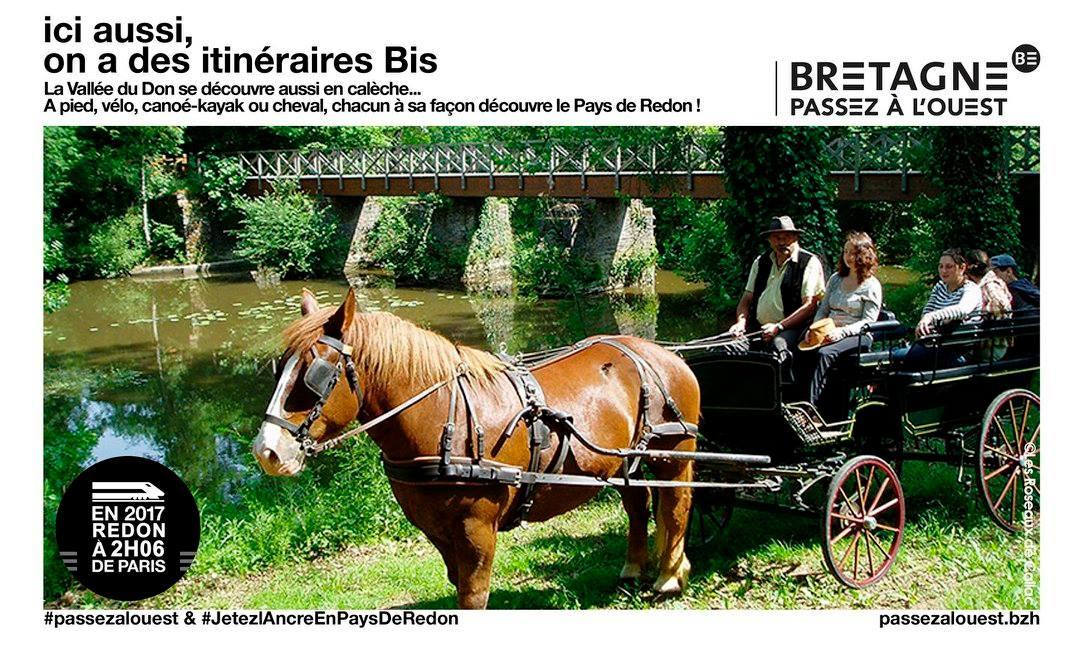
(389,350)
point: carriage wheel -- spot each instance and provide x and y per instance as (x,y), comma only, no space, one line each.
(863,521)
(1009,460)
(708,519)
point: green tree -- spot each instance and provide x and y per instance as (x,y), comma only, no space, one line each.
(777,171)
(286,231)
(769,172)
(975,206)
(95,179)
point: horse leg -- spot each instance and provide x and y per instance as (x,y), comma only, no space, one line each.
(636,503)
(474,554)
(447,552)
(672,518)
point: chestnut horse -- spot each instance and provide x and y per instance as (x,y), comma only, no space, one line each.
(396,361)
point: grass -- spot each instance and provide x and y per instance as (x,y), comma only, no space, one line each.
(952,557)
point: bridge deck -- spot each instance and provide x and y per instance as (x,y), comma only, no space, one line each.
(866,186)
(871,166)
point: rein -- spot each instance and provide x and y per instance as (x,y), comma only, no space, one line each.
(364,427)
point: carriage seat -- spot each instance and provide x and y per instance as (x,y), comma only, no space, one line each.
(885,332)
(984,369)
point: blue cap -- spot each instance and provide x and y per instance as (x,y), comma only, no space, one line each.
(1003,261)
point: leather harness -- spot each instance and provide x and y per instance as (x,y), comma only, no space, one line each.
(540,420)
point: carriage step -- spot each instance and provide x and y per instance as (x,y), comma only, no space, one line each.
(703,457)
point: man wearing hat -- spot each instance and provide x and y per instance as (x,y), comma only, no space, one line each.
(1024,293)
(782,290)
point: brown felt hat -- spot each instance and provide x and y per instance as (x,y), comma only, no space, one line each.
(815,335)
(782,224)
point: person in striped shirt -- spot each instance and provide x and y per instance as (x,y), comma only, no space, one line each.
(953,299)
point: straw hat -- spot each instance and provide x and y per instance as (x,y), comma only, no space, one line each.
(816,334)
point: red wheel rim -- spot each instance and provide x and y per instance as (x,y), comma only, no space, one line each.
(863,521)
(1009,460)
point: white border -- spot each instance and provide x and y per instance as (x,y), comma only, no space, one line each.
(722,53)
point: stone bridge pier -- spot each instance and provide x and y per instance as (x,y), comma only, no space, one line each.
(615,235)
(472,241)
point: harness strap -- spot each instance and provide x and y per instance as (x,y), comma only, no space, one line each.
(280,422)
(429,470)
(319,447)
(447,440)
(531,395)
(471,420)
(346,352)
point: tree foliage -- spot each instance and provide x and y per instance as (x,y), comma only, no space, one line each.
(975,208)
(94,182)
(93,193)
(286,231)
(779,171)
(769,172)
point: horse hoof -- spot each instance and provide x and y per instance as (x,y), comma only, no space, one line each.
(630,573)
(673,584)
(684,572)
(667,586)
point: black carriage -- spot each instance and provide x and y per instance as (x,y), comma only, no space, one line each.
(972,404)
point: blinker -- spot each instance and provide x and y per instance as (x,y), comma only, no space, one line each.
(320,377)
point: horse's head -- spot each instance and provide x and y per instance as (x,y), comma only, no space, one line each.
(318,391)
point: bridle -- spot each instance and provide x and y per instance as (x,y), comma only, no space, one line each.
(321,377)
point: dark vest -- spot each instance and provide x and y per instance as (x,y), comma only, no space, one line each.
(790,284)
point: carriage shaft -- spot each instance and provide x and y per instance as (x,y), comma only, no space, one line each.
(702,457)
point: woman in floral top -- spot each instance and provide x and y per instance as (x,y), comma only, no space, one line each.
(996,299)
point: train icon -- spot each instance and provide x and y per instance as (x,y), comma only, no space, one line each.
(133,491)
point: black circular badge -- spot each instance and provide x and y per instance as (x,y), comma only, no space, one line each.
(1026,58)
(127,528)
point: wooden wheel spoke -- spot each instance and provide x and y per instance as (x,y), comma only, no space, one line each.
(1008,485)
(998,452)
(888,528)
(851,506)
(843,534)
(859,490)
(880,546)
(1038,428)
(855,571)
(1004,436)
(1023,426)
(869,556)
(846,518)
(884,507)
(997,472)
(880,492)
(843,559)
(1016,430)
(1012,513)
(869,484)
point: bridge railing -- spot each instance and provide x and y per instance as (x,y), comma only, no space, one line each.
(901,151)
